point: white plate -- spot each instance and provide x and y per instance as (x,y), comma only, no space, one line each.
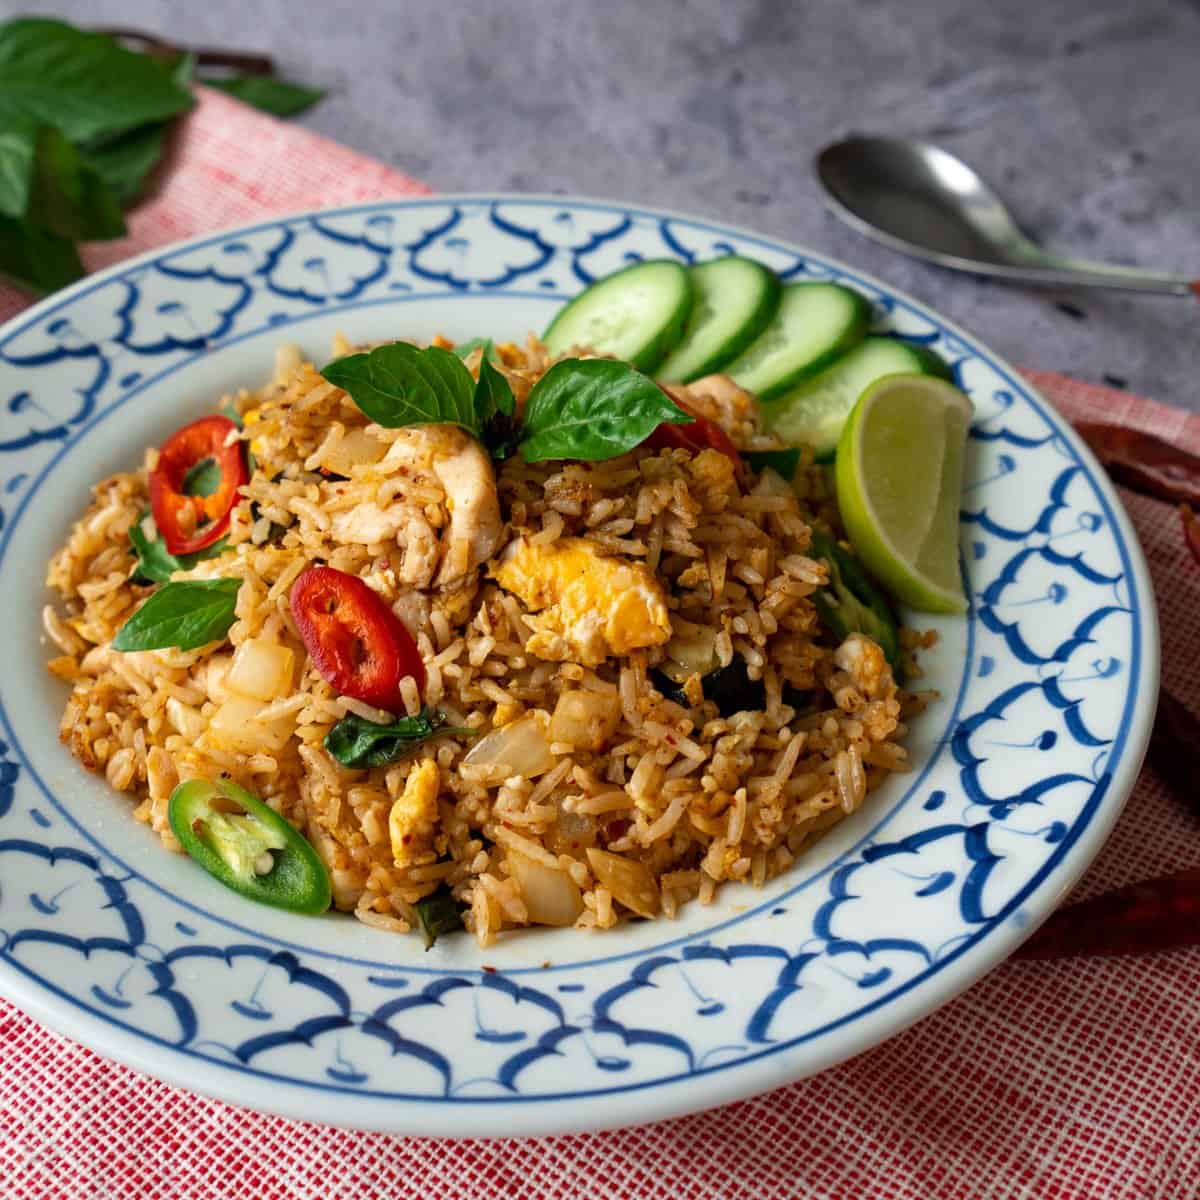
(1021,768)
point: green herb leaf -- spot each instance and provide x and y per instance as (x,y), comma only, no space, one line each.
(156,564)
(18,150)
(493,396)
(202,478)
(464,350)
(593,409)
(438,913)
(274,96)
(494,409)
(184,615)
(230,410)
(68,197)
(183,69)
(125,162)
(852,602)
(358,743)
(782,462)
(83,84)
(399,384)
(35,258)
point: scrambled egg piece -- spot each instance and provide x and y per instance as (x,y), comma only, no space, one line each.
(413,820)
(589,606)
(252,417)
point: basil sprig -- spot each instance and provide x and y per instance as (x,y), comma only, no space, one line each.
(359,743)
(590,409)
(83,122)
(183,615)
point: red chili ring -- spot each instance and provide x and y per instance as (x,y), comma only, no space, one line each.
(701,434)
(359,646)
(191,523)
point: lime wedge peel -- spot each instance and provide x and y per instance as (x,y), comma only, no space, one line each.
(899,476)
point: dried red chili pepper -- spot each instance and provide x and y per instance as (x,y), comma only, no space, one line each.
(1191,531)
(1144,463)
(1144,918)
(1175,748)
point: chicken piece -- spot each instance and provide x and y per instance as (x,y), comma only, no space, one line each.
(864,662)
(590,606)
(719,399)
(368,524)
(464,470)
(413,820)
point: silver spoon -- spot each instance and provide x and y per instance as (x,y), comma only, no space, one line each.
(921,200)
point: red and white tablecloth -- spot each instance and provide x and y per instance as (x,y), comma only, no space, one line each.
(1071,1080)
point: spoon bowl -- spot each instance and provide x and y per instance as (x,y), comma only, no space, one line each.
(921,200)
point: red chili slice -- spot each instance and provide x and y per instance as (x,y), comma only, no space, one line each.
(190,523)
(359,646)
(701,434)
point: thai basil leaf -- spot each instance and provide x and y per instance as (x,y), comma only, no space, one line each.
(83,84)
(274,96)
(68,197)
(438,913)
(493,395)
(156,564)
(124,162)
(183,615)
(494,411)
(18,151)
(593,409)
(35,258)
(399,384)
(358,743)
(183,68)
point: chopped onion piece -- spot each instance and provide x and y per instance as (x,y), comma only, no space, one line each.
(520,748)
(355,448)
(692,649)
(262,669)
(585,719)
(550,895)
(629,881)
(235,726)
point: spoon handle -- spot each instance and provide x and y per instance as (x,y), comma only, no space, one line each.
(1050,270)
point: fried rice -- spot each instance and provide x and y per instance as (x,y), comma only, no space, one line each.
(578,746)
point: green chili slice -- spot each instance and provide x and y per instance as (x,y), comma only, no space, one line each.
(852,601)
(247,846)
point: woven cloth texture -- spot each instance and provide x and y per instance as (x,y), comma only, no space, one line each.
(1071,1080)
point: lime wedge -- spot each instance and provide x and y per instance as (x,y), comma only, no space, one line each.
(899,478)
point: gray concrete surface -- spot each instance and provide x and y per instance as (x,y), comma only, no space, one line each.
(1085,114)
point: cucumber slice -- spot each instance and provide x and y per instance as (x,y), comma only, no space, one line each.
(733,300)
(814,324)
(814,413)
(636,315)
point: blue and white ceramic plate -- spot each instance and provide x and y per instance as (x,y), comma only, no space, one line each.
(1022,767)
